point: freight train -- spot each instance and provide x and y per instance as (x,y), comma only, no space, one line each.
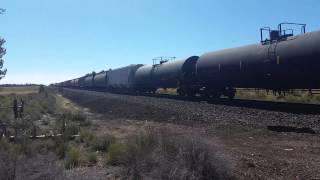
(281,62)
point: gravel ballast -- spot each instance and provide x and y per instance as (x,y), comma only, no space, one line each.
(162,109)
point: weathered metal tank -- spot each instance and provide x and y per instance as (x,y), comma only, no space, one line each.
(121,79)
(167,74)
(101,80)
(283,62)
(88,81)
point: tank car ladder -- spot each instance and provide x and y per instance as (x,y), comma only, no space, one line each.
(271,59)
(272,52)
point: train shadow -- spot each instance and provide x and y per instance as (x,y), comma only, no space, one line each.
(291,129)
(296,108)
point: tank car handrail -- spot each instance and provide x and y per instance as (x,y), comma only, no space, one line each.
(281,33)
(162,59)
(303,26)
(268,29)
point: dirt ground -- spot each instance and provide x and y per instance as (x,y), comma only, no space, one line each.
(251,153)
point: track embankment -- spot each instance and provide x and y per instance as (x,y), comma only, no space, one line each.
(257,144)
(179,111)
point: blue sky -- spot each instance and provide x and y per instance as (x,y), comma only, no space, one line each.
(50,41)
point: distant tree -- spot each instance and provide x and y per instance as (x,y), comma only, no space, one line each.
(2,53)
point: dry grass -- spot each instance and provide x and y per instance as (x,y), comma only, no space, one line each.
(19,90)
(72,158)
(23,148)
(154,153)
(172,91)
(295,96)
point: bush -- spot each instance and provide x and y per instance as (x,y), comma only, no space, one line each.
(80,117)
(24,145)
(92,158)
(4,144)
(102,143)
(196,158)
(161,153)
(71,129)
(87,137)
(85,123)
(97,143)
(72,158)
(43,145)
(76,117)
(61,147)
(116,154)
(8,157)
(66,128)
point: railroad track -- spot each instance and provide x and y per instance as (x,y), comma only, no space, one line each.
(297,108)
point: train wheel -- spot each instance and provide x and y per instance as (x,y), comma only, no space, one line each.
(215,94)
(191,94)
(181,92)
(230,93)
(231,96)
(207,94)
(204,96)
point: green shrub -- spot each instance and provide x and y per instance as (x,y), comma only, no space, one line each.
(161,153)
(97,143)
(8,158)
(5,145)
(66,128)
(102,143)
(87,137)
(71,129)
(80,117)
(61,147)
(140,145)
(85,123)
(72,158)
(24,145)
(116,153)
(44,145)
(76,117)
(92,158)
